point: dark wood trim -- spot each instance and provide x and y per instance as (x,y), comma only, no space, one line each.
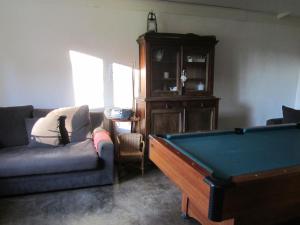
(153,36)
(267,174)
(156,139)
(182,98)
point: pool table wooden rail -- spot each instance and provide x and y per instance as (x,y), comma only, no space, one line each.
(262,198)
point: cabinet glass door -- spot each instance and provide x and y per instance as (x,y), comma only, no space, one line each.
(195,67)
(164,70)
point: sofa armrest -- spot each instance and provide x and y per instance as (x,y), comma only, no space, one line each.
(103,143)
(105,149)
(275,121)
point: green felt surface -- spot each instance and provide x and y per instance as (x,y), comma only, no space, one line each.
(228,154)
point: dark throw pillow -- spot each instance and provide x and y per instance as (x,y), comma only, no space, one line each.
(29,122)
(64,136)
(290,115)
(12,125)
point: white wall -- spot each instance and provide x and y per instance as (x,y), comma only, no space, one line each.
(257,57)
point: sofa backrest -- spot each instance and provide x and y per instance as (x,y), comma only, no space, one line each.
(12,125)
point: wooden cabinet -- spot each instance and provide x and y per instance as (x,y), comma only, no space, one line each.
(176,83)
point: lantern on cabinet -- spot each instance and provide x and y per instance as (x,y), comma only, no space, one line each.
(151,22)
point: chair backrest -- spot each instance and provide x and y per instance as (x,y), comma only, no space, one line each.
(130,141)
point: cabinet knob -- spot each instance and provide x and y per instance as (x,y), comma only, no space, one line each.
(202,104)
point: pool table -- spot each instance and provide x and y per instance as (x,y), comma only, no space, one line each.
(244,176)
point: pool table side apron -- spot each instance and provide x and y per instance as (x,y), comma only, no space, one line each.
(195,191)
(266,200)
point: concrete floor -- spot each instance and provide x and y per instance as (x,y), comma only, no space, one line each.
(132,200)
(135,200)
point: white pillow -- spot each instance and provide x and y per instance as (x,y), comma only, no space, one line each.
(77,122)
(45,132)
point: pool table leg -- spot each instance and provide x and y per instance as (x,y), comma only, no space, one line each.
(184,206)
(189,209)
(184,216)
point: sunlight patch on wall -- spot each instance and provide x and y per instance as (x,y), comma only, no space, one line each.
(137,83)
(297,102)
(87,73)
(122,83)
(125,79)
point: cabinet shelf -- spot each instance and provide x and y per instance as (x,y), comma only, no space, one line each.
(162,91)
(165,79)
(166,92)
(163,62)
(168,79)
(195,79)
(195,63)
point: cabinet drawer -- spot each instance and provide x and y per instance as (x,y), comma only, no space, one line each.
(202,104)
(166,105)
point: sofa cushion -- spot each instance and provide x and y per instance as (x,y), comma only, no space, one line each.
(290,115)
(77,122)
(12,129)
(22,160)
(45,132)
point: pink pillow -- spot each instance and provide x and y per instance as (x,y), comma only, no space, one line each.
(101,136)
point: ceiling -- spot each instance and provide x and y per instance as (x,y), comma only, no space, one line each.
(280,8)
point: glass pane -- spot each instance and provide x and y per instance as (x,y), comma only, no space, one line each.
(164,65)
(195,64)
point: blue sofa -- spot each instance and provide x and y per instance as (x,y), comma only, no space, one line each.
(289,115)
(274,121)
(25,170)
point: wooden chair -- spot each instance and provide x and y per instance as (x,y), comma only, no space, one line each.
(130,147)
